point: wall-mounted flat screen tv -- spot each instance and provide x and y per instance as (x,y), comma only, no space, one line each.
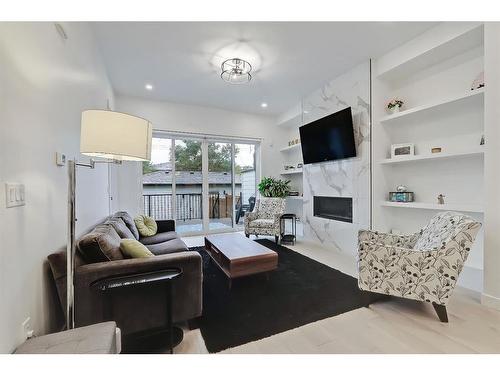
(329,138)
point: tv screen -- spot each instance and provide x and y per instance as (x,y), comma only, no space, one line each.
(329,138)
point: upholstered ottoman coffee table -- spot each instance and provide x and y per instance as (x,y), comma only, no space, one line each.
(98,338)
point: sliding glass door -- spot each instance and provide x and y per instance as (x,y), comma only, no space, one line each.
(206,185)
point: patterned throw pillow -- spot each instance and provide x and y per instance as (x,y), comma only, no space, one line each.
(146,225)
(134,249)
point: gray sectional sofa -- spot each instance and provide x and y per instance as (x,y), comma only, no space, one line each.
(98,256)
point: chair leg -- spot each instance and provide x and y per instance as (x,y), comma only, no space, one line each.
(276,238)
(441,312)
(246,234)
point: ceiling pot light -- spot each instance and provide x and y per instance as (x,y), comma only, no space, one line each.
(236,71)
(263,105)
(148,86)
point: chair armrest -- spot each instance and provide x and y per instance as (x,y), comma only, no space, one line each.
(250,216)
(404,241)
(165,225)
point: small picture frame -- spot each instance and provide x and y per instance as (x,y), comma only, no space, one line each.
(402,149)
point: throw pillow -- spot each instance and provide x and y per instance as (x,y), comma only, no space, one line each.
(100,245)
(146,225)
(120,227)
(134,249)
(129,222)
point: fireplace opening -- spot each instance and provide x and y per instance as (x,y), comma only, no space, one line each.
(333,208)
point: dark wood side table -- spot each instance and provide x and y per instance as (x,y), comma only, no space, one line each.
(166,276)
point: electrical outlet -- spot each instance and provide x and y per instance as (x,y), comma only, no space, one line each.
(27,329)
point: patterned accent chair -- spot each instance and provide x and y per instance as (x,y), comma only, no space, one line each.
(423,266)
(265,218)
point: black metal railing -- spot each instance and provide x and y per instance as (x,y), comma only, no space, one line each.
(160,206)
(188,206)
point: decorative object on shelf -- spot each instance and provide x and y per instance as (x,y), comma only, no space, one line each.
(236,71)
(288,167)
(401,188)
(478,83)
(293,193)
(401,196)
(402,149)
(272,187)
(440,198)
(436,150)
(300,165)
(481,142)
(395,105)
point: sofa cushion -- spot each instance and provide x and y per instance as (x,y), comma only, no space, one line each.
(129,222)
(146,225)
(121,228)
(131,248)
(100,245)
(159,238)
(261,223)
(173,246)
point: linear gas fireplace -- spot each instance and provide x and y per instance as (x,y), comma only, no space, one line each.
(333,208)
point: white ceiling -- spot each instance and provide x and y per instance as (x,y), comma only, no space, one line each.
(181,59)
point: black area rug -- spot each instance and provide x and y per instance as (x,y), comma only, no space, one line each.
(300,291)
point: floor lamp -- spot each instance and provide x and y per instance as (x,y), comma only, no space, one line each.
(114,137)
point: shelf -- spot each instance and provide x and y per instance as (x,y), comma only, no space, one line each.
(435,206)
(454,45)
(478,93)
(295,171)
(440,155)
(295,197)
(290,148)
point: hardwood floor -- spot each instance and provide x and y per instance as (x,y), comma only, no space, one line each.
(392,326)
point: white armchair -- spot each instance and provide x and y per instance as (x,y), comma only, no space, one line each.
(423,266)
(265,218)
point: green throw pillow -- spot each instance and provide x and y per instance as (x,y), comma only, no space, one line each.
(146,225)
(134,249)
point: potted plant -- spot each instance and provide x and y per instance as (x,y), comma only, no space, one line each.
(394,105)
(272,187)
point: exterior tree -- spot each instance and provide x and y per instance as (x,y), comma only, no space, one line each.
(188,156)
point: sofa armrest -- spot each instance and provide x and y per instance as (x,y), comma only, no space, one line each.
(148,302)
(165,225)
(188,261)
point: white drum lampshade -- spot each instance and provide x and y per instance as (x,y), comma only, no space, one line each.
(115,135)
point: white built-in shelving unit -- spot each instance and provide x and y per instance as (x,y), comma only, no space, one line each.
(433,75)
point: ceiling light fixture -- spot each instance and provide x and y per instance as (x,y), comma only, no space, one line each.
(149,86)
(236,71)
(263,105)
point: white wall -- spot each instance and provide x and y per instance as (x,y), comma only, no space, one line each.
(196,119)
(45,83)
(491,291)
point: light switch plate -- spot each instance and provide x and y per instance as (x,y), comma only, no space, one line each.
(14,195)
(60,159)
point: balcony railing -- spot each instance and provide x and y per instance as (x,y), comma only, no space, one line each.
(189,206)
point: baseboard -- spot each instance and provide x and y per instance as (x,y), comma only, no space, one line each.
(490,301)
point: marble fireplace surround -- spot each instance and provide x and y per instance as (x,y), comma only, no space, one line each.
(342,178)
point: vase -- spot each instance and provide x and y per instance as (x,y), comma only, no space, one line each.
(394,109)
